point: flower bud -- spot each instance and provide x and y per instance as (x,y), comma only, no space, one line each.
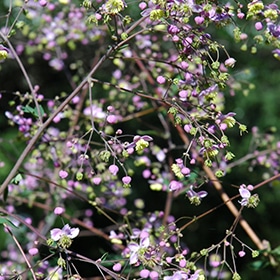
(230,62)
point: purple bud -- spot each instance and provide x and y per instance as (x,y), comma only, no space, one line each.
(126,180)
(58,210)
(113,169)
(258,26)
(63,174)
(230,62)
(199,20)
(117,267)
(161,79)
(33,251)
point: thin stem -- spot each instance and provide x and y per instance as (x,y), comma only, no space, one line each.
(21,251)
(49,120)
(22,68)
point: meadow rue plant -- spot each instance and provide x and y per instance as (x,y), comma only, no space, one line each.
(119,125)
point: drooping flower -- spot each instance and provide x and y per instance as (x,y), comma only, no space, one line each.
(195,197)
(139,142)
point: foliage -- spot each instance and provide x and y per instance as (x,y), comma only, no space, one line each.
(121,113)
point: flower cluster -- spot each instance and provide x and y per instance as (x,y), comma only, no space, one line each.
(138,125)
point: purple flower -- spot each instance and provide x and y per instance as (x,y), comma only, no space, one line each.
(195,197)
(139,142)
(173,29)
(135,249)
(245,194)
(57,233)
(175,185)
(273,29)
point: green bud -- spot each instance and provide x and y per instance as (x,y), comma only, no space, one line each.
(255,253)
(237,33)
(215,65)
(219,173)
(87,4)
(61,262)
(271,14)
(141,145)
(253,50)
(3,54)
(114,6)
(229,156)
(177,171)
(173,111)
(105,155)
(224,140)
(229,121)
(195,200)
(208,162)
(236,276)
(204,252)
(156,14)
(79,176)
(242,128)
(124,36)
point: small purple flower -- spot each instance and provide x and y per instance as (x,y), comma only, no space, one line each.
(139,142)
(135,249)
(57,233)
(273,29)
(173,29)
(175,185)
(245,194)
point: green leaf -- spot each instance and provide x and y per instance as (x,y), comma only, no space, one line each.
(33,111)
(4,220)
(17,179)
